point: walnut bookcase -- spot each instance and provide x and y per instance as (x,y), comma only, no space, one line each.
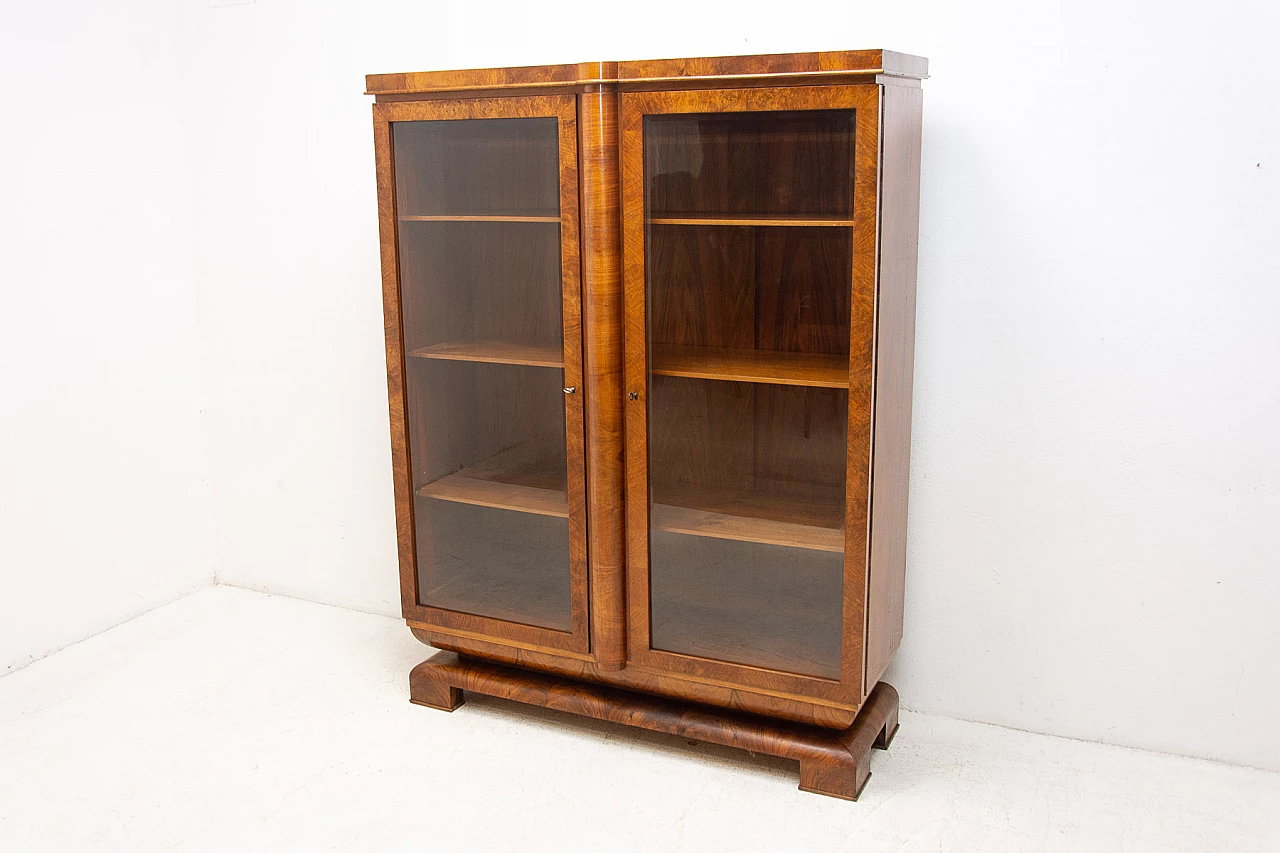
(649,352)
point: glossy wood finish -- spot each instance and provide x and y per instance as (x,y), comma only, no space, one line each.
(833,763)
(833,67)
(864,373)
(472,80)
(861,402)
(691,688)
(856,213)
(895,359)
(501,482)
(602,305)
(401,480)
(779,69)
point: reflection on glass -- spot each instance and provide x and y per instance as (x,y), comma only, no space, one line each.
(479,252)
(748,268)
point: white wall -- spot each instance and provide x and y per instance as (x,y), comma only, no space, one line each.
(104,480)
(286,243)
(1094,532)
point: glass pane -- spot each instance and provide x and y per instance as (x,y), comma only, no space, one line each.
(477,166)
(749,253)
(786,163)
(478,209)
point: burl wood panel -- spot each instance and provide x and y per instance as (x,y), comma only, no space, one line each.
(777,68)
(895,360)
(837,764)
(400,476)
(861,382)
(602,305)
(829,67)
(689,688)
(473,80)
(574,406)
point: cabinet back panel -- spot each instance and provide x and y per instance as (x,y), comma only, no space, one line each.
(704,289)
(781,439)
(750,287)
(481,281)
(701,433)
(802,289)
(465,414)
(800,440)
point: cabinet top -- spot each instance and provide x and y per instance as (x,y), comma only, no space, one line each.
(827,68)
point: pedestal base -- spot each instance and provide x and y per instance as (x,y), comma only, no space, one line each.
(835,763)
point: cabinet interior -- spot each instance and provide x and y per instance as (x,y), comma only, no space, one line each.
(485,169)
(748,259)
(479,253)
(748,252)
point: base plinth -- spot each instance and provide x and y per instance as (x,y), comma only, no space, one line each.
(835,763)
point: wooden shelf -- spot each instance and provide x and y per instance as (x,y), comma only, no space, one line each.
(462,489)
(515,479)
(793,220)
(498,217)
(817,525)
(740,365)
(493,352)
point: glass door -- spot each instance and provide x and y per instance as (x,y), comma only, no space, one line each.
(485,223)
(748,245)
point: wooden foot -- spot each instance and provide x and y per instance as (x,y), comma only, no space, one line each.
(836,763)
(429,685)
(844,773)
(885,737)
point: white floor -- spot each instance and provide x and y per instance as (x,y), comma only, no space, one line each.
(232,720)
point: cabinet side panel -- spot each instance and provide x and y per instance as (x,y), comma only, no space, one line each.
(895,356)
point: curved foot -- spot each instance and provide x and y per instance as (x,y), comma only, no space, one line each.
(840,774)
(843,769)
(888,699)
(429,685)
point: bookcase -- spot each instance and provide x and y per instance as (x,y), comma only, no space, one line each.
(649,350)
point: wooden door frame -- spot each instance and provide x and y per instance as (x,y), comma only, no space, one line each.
(576,642)
(865,100)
